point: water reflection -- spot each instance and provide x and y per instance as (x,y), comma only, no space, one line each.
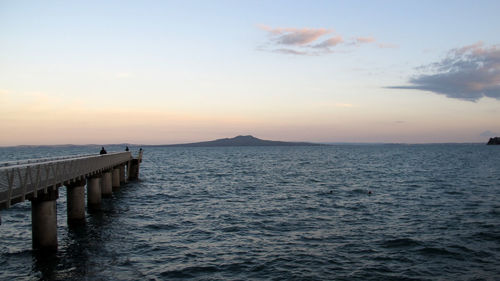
(45,263)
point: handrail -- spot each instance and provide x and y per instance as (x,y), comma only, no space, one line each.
(38,160)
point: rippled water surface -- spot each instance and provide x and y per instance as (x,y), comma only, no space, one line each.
(374,212)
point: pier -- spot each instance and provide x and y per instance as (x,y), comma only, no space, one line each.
(39,180)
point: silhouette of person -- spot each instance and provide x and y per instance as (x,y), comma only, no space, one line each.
(126,148)
(103,151)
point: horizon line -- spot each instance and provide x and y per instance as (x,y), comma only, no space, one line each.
(173,144)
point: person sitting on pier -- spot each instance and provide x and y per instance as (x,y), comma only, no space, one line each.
(103,151)
(126,148)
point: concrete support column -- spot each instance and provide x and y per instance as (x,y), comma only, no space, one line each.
(134,170)
(76,201)
(116,178)
(44,220)
(123,179)
(129,166)
(94,196)
(107,184)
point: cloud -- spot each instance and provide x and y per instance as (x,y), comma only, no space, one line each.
(467,73)
(368,40)
(295,36)
(362,40)
(289,51)
(332,42)
(307,41)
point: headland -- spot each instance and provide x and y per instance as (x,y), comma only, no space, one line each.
(494,141)
(242,141)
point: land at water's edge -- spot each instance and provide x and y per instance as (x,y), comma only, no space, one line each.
(242,141)
(494,141)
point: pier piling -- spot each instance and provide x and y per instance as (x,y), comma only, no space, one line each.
(123,179)
(107,184)
(116,178)
(94,196)
(44,220)
(76,201)
(134,170)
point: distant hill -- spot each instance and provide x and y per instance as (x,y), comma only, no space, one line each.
(243,141)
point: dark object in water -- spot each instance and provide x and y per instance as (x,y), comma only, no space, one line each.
(494,141)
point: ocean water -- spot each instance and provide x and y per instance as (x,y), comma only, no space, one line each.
(344,212)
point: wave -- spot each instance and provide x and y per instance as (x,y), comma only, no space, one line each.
(439,252)
(401,243)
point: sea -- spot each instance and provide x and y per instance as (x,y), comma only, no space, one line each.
(339,212)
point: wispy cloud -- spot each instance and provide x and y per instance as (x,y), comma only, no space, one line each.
(307,41)
(332,42)
(289,51)
(467,73)
(362,40)
(295,36)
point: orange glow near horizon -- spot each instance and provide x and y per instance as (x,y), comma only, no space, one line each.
(42,120)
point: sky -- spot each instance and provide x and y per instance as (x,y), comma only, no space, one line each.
(164,72)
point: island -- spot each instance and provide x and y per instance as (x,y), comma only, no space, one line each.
(494,141)
(243,141)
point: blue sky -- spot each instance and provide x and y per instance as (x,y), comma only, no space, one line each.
(174,71)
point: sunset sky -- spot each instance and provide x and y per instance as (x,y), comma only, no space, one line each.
(162,72)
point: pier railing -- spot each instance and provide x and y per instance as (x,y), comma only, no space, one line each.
(22,179)
(39,160)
